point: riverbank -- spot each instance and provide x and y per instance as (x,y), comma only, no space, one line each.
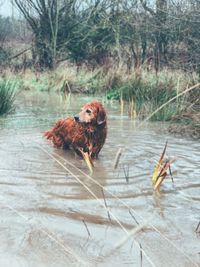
(186,124)
(140,93)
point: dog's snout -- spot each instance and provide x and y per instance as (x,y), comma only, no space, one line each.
(76,117)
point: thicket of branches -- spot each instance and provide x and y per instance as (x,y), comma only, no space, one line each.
(160,32)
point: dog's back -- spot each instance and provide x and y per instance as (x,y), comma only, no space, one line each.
(87,136)
(62,133)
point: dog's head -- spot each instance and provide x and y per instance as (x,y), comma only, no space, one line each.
(92,113)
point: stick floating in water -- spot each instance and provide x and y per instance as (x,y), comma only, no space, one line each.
(117,158)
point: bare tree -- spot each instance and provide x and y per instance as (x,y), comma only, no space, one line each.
(162,31)
(159,15)
(43,18)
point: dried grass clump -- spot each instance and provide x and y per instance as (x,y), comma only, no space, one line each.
(187,121)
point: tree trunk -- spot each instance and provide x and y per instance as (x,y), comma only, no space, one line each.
(161,38)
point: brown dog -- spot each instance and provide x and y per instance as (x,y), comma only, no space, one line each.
(86,132)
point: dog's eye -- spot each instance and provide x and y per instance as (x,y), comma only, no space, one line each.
(88,111)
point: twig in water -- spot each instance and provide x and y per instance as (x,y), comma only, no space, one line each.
(86,227)
(132,244)
(170,172)
(106,204)
(124,239)
(117,157)
(133,217)
(197,230)
(141,255)
(131,233)
(126,173)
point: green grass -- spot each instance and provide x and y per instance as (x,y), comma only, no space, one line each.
(8,90)
(142,92)
(146,92)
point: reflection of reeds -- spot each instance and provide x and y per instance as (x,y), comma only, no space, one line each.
(126,172)
(133,217)
(132,110)
(86,227)
(140,255)
(128,233)
(170,173)
(106,204)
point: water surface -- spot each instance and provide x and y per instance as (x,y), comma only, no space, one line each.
(54,214)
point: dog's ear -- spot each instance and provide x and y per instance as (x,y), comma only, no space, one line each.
(101,116)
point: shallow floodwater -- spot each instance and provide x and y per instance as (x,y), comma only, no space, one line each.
(54,214)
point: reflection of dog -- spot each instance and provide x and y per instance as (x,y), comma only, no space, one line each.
(85,132)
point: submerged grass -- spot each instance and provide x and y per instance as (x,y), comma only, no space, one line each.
(8,90)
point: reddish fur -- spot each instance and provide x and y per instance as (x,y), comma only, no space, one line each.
(89,137)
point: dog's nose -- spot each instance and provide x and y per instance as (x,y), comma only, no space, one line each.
(76,117)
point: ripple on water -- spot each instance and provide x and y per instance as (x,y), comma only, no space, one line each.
(50,219)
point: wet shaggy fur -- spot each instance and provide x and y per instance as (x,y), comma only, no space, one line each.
(85,132)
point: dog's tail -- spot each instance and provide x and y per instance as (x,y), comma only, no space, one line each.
(51,133)
(48,134)
(56,140)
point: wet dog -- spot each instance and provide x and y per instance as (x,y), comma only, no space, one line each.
(85,132)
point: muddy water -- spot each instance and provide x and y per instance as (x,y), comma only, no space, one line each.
(54,214)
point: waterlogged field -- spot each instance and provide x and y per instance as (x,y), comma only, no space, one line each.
(53,213)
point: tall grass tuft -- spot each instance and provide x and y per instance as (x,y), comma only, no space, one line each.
(145,92)
(8,91)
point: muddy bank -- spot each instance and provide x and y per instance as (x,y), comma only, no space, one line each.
(187,122)
(190,130)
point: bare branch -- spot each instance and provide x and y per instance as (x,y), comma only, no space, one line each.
(150,10)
